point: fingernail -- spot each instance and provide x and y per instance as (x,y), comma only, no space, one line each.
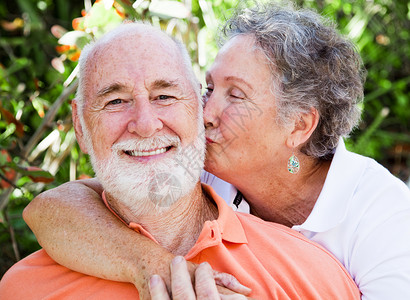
(154,280)
(177,260)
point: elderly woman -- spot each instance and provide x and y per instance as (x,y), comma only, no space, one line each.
(280,96)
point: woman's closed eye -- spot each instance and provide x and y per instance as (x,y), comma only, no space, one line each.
(237,94)
(208,91)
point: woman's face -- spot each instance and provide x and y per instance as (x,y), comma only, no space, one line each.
(240,114)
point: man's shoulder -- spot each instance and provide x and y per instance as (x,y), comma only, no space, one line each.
(38,262)
(21,279)
(38,276)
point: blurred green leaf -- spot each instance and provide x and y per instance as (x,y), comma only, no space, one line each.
(102,19)
(34,173)
(18,64)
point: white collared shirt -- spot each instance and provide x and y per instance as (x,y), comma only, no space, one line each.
(362,216)
(225,190)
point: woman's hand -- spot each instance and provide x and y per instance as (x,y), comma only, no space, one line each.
(209,284)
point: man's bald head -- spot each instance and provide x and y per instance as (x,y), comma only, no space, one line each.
(141,34)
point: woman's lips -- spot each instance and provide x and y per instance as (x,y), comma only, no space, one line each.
(209,140)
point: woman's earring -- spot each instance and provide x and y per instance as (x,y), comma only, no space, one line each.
(293,164)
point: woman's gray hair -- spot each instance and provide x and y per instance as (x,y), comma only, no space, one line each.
(312,66)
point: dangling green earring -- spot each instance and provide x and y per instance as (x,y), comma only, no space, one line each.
(293,164)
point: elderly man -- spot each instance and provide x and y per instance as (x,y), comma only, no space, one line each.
(138,115)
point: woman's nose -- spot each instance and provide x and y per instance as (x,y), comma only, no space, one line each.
(212,112)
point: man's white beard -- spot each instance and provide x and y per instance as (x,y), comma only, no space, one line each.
(149,188)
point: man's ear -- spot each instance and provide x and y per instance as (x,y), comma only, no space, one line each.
(304,127)
(78,127)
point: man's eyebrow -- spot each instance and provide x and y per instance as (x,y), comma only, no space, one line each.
(114,87)
(162,84)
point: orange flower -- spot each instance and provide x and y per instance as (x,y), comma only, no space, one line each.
(84,176)
(119,10)
(74,56)
(62,48)
(78,24)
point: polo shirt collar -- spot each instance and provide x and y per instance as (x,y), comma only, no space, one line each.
(228,222)
(134,226)
(228,225)
(333,203)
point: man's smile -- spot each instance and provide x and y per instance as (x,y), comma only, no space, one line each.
(138,153)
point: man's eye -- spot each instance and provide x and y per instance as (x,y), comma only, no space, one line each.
(115,101)
(165,97)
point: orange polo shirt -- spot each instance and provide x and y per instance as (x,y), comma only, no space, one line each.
(273,260)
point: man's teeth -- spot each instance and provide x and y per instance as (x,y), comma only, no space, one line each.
(147,153)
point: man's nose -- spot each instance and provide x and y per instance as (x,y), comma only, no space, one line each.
(144,120)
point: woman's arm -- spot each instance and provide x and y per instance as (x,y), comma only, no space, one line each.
(76,229)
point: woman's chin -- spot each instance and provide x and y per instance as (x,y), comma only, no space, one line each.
(208,166)
(211,166)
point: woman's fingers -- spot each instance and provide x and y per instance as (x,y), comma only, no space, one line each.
(205,286)
(206,281)
(181,283)
(233,297)
(157,288)
(230,282)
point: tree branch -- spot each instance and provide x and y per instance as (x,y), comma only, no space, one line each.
(12,237)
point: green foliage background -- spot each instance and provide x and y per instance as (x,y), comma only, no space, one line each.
(37,83)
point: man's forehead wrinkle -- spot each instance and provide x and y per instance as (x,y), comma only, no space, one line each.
(113,87)
(105,57)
